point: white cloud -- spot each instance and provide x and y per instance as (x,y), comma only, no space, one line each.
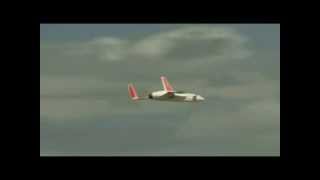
(210,43)
(255,90)
(193,42)
(84,85)
(109,49)
(65,84)
(61,110)
(247,120)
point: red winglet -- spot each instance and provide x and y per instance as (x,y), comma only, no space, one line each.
(132,92)
(166,85)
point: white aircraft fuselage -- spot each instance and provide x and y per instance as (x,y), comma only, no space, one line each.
(167,94)
(175,96)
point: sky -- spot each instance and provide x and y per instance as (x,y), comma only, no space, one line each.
(85,109)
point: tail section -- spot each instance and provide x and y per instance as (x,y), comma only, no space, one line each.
(166,85)
(132,92)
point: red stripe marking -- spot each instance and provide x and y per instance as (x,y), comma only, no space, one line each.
(166,84)
(132,91)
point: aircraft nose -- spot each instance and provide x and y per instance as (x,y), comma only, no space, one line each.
(200,98)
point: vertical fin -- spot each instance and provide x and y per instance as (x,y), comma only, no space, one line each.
(166,85)
(132,92)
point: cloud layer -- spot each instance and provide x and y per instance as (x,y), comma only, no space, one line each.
(85,110)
